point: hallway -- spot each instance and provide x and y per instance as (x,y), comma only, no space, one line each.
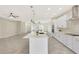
(19,45)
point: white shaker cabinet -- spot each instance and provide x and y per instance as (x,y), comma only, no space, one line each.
(65,39)
(69,42)
(38,44)
(76,44)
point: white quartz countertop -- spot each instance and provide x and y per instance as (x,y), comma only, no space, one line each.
(34,35)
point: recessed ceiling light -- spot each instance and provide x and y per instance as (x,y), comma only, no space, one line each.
(49,8)
(60,8)
(54,14)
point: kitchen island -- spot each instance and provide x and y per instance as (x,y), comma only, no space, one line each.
(38,44)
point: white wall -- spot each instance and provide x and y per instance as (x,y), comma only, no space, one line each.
(21,27)
(7,28)
(10,28)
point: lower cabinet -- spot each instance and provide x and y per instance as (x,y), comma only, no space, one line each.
(63,39)
(66,40)
(76,44)
(71,42)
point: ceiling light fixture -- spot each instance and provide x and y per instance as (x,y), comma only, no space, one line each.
(60,8)
(12,15)
(49,8)
(33,14)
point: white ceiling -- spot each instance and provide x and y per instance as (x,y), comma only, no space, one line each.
(42,12)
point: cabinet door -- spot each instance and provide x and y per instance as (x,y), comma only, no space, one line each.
(38,45)
(69,41)
(63,39)
(76,45)
(59,37)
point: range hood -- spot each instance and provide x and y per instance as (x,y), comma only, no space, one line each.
(73,24)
